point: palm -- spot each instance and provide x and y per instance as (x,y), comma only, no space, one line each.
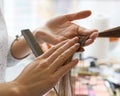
(62,28)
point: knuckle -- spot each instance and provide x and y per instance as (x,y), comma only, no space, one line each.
(54,48)
(69,51)
(44,63)
(73,49)
(60,50)
(63,57)
(70,42)
(54,79)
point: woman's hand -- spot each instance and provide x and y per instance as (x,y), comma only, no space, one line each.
(62,28)
(44,72)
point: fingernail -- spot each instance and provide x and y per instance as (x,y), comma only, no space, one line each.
(77,45)
(76,39)
(75,61)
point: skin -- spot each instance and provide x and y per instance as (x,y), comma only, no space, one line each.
(32,82)
(43,73)
(56,30)
(62,28)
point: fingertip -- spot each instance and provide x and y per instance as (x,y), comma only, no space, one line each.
(94,35)
(78,15)
(88,42)
(75,60)
(94,30)
(88,12)
(72,63)
(84,13)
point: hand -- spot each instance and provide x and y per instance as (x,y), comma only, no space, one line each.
(44,72)
(62,28)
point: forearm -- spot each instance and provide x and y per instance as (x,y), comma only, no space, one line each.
(20,48)
(8,89)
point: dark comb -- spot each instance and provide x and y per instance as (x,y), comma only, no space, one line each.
(31,41)
(83,39)
(110,33)
(33,44)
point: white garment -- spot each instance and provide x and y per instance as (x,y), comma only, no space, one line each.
(6,58)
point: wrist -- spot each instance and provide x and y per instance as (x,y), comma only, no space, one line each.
(8,89)
(17,89)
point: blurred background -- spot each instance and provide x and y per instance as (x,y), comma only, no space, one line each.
(34,13)
(23,14)
(20,14)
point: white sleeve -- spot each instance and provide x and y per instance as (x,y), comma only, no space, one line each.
(10,59)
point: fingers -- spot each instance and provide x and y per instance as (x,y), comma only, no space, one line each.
(53,49)
(94,35)
(64,57)
(88,42)
(84,31)
(60,50)
(71,17)
(65,69)
(91,39)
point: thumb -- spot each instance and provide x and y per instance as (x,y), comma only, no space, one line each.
(68,17)
(76,16)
